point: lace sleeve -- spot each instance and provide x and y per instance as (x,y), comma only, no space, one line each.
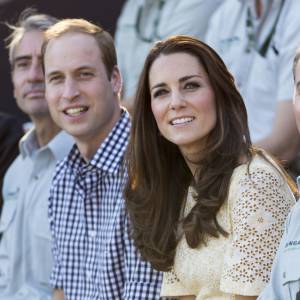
(259,205)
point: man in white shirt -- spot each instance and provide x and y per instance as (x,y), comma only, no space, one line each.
(25,248)
(257,40)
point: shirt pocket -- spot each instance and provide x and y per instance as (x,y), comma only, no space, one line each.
(7,217)
(42,261)
(40,221)
(8,213)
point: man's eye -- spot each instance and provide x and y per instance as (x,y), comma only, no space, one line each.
(159,93)
(54,79)
(86,75)
(21,64)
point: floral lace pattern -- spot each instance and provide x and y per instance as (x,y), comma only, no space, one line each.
(254,216)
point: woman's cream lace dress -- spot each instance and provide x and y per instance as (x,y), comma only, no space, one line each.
(240,264)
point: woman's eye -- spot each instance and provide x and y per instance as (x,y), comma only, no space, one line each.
(159,93)
(192,85)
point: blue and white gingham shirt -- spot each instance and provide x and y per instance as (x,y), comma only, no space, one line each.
(93,254)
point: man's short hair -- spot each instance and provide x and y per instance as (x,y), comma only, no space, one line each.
(28,20)
(103,38)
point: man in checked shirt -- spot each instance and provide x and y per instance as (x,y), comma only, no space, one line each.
(93,253)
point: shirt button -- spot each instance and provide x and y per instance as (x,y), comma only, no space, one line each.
(284,275)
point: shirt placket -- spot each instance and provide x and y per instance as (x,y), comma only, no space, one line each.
(91,213)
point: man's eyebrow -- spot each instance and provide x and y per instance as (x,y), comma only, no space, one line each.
(81,68)
(53,73)
(85,67)
(22,57)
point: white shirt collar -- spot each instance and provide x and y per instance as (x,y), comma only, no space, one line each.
(60,145)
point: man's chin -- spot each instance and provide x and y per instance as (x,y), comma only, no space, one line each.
(38,113)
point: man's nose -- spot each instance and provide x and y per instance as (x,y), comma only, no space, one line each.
(70,91)
(35,72)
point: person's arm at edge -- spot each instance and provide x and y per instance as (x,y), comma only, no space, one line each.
(283,141)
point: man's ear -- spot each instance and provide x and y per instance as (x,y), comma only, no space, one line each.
(116,80)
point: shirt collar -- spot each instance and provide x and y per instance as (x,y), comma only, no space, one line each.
(110,153)
(60,145)
(28,143)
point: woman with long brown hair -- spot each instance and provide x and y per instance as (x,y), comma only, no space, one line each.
(206,207)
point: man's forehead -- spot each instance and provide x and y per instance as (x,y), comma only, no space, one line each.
(71,50)
(30,44)
(70,36)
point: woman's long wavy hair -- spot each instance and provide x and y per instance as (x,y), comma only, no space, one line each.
(158,174)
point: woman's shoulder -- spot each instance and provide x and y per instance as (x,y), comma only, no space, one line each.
(260,178)
(261,169)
